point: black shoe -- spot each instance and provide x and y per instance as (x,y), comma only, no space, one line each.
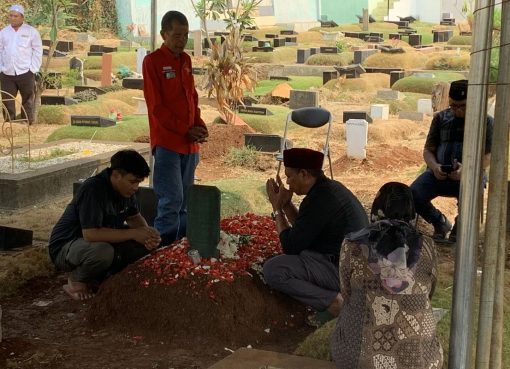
(453,234)
(441,229)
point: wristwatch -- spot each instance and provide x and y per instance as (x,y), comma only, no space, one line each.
(274,213)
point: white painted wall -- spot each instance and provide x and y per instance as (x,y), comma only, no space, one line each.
(429,11)
(402,8)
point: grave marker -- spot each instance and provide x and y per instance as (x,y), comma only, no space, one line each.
(95,53)
(108,49)
(265,49)
(415,40)
(291,40)
(63,46)
(351,71)
(203,221)
(388,94)
(141,53)
(425,106)
(328,75)
(279,78)
(411,115)
(288,32)
(106,70)
(98,90)
(91,121)
(133,83)
(361,55)
(271,35)
(347,115)
(303,99)
(315,50)
(380,111)
(302,55)
(11,237)
(96,48)
(329,50)
(254,110)
(265,143)
(57,100)
(357,138)
(395,76)
(278,42)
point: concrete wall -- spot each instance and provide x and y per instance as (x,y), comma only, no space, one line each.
(403,8)
(295,11)
(454,7)
(429,11)
(343,12)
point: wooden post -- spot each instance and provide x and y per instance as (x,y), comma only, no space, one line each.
(365,20)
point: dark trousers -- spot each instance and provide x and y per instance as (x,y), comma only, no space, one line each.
(25,85)
(310,277)
(425,189)
(94,261)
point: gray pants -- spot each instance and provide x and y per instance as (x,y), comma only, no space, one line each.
(94,261)
(310,277)
(25,84)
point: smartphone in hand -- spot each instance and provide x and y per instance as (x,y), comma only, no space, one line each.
(447,168)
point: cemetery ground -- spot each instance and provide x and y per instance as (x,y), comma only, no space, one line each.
(43,328)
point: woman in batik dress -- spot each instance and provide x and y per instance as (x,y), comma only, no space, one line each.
(387,277)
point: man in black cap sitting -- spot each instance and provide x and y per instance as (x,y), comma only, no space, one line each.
(311,236)
(443,156)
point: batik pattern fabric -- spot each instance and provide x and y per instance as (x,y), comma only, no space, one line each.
(385,327)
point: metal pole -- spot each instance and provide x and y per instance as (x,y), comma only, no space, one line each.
(154,37)
(497,207)
(497,322)
(461,332)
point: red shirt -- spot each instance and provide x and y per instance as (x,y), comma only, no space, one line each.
(172,100)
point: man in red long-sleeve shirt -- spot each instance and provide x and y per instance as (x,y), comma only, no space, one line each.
(176,128)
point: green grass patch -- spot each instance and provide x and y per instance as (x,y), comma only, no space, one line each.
(128,129)
(270,124)
(245,156)
(239,196)
(296,82)
(53,153)
(52,114)
(341,59)
(425,85)
(449,62)
(127,58)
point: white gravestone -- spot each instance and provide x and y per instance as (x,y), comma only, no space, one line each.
(140,55)
(380,111)
(425,106)
(357,138)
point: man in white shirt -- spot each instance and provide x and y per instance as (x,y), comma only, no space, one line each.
(20,59)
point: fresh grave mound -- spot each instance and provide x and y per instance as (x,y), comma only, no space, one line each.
(221,138)
(380,158)
(166,296)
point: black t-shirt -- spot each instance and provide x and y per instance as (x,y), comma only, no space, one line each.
(95,205)
(328,212)
(446,137)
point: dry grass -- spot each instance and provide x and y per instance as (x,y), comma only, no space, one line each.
(408,60)
(449,61)
(367,83)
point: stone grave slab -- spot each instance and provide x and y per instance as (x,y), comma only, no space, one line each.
(98,90)
(57,100)
(279,78)
(291,39)
(382,70)
(303,99)
(380,111)
(288,32)
(351,71)
(441,35)
(203,221)
(264,43)
(411,115)
(374,39)
(264,142)
(108,49)
(329,50)
(415,40)
(91,121)
(253,110)
(390,49)
(249,100)
(388,94)
(271,35)
(395,76)
(85,37)
(347,115)
(95,53)
(395,36)
(328,75)
(328,24)
(141,106)
(199,71)
(133,83)
(258,359)
(330,36)
(302,55)
(315,50)
(249,37)
(265,49)
(11,238)
(96,48)
(361,55)
(357,138)
(63,46)
(278,42)
(56,53)
(409,19)
(425,106)
(23,189)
